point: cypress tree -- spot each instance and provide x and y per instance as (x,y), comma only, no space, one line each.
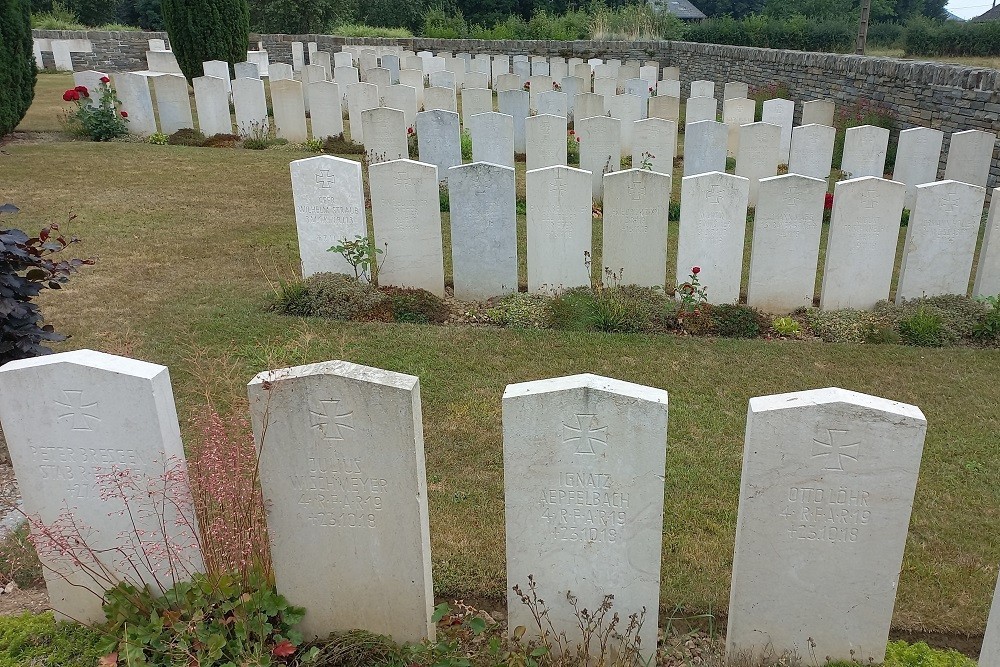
(202,30)
(17,63)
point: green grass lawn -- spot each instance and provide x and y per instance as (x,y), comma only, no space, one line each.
(192,242)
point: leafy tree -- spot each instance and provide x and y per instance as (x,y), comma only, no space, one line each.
(202,30)
(735,8)
(299,17)
(17,63)
(392,13)
(145,14)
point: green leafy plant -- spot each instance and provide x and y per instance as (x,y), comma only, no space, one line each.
(923,328)
(466,139)
(203,30)
(210,621)
(18,561)
(444,198)
(158,139)
(988,330)
(410,304)
(26,268)
(340,145)
(738,321)
(362,255)
(786,326)
(846,325)
(314,145)
(340,297)
(902,654)
(572,148)
(101,118)
(520,310)
(692,295)
(646,161)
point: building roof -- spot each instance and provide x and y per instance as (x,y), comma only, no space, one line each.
(991,15)
(948,16)
(682,9)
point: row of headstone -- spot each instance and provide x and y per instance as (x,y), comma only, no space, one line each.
(938,251)
(62,51)
(827,489)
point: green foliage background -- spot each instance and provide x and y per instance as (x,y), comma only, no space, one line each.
(202,30)
(17,64)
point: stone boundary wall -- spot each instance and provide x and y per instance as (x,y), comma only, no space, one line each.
(949,98)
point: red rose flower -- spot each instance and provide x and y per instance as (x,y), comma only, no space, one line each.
(68,95)
(578,140)
(695,270)
(82,90)
(572,132)
(105,79)
(828,202)
(124,114)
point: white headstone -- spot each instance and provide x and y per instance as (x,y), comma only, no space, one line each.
(553,103)
(133,91)
(442,79)
(385,134)
(819,112)
(91,79)
(654,140)
(757,154)
(403,98)
(700,108)
(811,151)
(360,97)
(864,229)
(476,101)
(736,111)
(246,70)
(483,230)
(514,103)
(342,473)
(477,80)
(329,207)
(280,71)
(343,59)
(310,74)
(607,88)
(627,109)
(539,68)
(781,112)
(571,87)
(664,106)
(545,141)
(325,117)
(218,69)
(582,72)
(522,70)
(289,110)
(439,140)
(406,215)
(941,240)
(702,89)
(251,106)
(260,59)
(864,151)
(636,205)
(71,420)
(588,105)
(162,61)
(671,74)
(322,58)
(989,654)
(298,56)
(969,156)
(917,156)
(157,45)
(735,89)
(712,229)
(785,251)
(639,88)
(825,500)
(600,149)
(391,63)
(705,147)
(173,102)
(501,65)
(650,74)
(506,82)
(211,97)
(492,138)
(668,88)
(440,98)
(560,225)
(988,269)
(584,461)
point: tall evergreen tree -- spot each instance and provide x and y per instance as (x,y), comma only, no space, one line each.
(17,63)
(202,30)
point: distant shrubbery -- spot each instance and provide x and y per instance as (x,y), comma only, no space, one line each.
(923,37)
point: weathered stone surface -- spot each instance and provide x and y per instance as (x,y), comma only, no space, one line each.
(385,134)
(553,103)
(220,70)
(211,96)
(825,500)
(757,154)
(735,90)
(628,109)
(712,229)
(864,228)
(584,464)
(247,70)
(439,140)
(702,89)
(545,141)
(705,147)
(72,420)
(636,205)
(812,150)
(736,111)
(483,230)
(403,98)
(440,98)
(588,105)
(940,240)
(251,105)
(780,112)
(173,102)
(133,91)
(476,101)
(697,109)
(917,157)
(654,140)
(988,270)
(785,251)
(819,112)
(406,215)
(600,149)
(289,110)
(92,80)
(514,103)
(360,97)
(492,138)
(969,156)
(666,107)
(864,151)
(559,228)
(326,118)
(329,207)
(342,474)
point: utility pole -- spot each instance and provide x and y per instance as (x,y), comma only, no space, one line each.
(866,6)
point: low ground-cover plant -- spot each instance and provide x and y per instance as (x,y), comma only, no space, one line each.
(409,304)
(18,561)
(186,137)
(519,310)
(37,640)
(340,145)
